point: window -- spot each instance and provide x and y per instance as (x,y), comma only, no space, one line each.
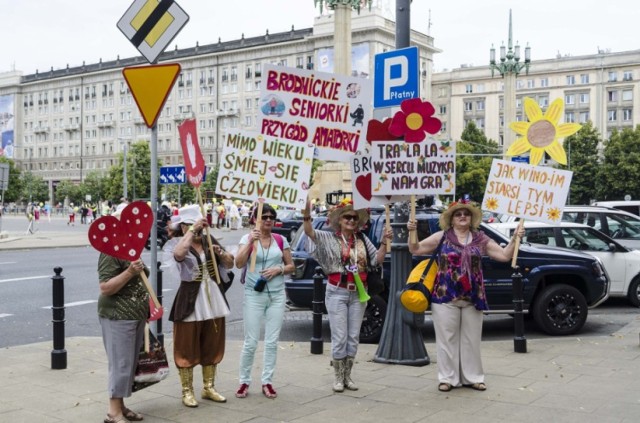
(543,101)
(480,88)
(531,83)
(627,95)
(480,105)
(584,78)
(544,82)
(569,99)
(442,109)
(468,88)
(519,84)
(442,92)
(626,114)
(518,103)
(612,95)
(480,123)
(612,115)
(584,98)
(584,117)
(569,117)
(627,76)
(443,128)
(468,106)
(571,80)
(613,76)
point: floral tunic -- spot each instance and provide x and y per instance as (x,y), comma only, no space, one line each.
(453,283)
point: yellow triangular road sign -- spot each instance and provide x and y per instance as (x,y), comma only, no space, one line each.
(150,86)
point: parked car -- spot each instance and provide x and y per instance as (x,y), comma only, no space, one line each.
(559,285)
(631,206)
(621,263)
(622,226)
(287,223)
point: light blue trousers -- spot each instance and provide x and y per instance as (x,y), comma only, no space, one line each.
(345,318)
(258,308)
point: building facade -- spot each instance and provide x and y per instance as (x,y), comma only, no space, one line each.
(602,88)
(72,121)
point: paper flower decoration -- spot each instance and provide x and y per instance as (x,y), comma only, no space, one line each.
(414,119)
(542,132)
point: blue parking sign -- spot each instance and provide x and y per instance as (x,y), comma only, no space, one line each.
(396,77)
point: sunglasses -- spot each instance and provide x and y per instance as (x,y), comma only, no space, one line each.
(461,213)
(350,217)
(268,217)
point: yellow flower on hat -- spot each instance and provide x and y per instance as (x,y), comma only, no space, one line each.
(541,133)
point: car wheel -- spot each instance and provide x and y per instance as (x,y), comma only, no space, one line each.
(634,292)
(560,310)
(373,321)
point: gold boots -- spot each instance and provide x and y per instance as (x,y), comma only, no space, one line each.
(186,380)
(348,382)
(208,390)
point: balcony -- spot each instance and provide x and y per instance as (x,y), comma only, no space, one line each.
(40,129)
(106,124)
(71,127)
(227,112)
(138,121)
(183,116)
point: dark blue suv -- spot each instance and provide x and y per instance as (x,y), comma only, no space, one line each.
(560,285)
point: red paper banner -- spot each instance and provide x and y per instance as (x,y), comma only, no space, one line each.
(193,160)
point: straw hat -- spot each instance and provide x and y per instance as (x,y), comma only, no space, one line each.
(476,214)
(341,208)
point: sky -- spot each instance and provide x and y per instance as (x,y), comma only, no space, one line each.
(40,34)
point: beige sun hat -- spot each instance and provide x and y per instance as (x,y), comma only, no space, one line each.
(189,214)
(346,205)
(476,214)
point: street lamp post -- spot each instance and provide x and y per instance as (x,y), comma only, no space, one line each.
(124,167)
(509,67)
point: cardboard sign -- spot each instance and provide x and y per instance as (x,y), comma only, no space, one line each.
(327,110)
(193,160)
(124,238)
(361,185)
(421,168)
(257,167)
(529,192)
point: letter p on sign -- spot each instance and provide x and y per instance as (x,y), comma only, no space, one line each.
(396,77)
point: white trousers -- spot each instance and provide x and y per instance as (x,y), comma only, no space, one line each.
(458,327)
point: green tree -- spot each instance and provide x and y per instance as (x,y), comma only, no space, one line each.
(473,162)
(93,185)
(34,188)
(14,189)
(138,174)
(582,160)
(620,169)
(68,189)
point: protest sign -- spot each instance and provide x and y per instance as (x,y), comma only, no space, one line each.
(529,192)
(258,167)
(361,185)
(194,162)
(423,168)
(327,110)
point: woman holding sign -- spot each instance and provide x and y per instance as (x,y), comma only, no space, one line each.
(264,296)
(199,308)
(123,308)
(458,298)
(343,257)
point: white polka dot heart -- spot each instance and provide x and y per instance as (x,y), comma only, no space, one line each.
(124,238)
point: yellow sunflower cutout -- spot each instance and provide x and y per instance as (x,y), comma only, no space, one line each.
(491,203)
(542,132)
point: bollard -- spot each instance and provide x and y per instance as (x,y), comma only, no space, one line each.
(159,333)
(519,341)
(59,354)
(318,303)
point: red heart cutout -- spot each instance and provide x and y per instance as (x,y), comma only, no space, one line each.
(363,185)
(124,238)
(379,131)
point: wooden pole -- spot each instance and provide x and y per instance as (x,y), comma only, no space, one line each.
(413,235)
(206,231)
(254,253)
(387,224)
(152,293)
(517,246)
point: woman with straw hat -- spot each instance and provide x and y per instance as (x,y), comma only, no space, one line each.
(458,298)
(342,254)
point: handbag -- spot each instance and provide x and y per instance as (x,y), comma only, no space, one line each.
(416,293)
(152,363)
(375,281)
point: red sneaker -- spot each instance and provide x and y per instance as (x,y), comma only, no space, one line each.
(268,391)
(242,391)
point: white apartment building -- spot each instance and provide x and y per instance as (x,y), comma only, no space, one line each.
(72,121)
(602,88)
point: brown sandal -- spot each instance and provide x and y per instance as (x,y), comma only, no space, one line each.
(479,386)
(445,387)
(132,415)
(120,419)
